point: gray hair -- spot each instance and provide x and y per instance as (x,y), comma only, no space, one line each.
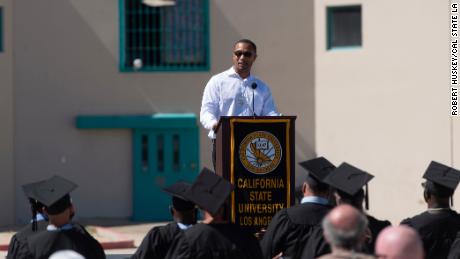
(347,239)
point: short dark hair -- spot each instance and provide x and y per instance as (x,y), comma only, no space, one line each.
(437,190)
(354,200)
(181,204)
(247,41)
(59,206)
(316,186)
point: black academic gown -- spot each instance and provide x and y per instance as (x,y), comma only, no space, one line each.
(437,229)
(454,252)
(45,243)
(215,241)
(295,231)
(157,242)
(19,240)
(375,226)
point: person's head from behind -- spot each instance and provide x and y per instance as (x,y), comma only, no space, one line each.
(244,55)
(345,228)
(399,242)
(317,170)
(60,212)
(182,210)
(349,183)
(53,194)
(440,185)
(312,187)
(210,192)
(436,194)
(353,200)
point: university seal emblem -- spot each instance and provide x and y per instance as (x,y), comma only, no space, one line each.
(260,152)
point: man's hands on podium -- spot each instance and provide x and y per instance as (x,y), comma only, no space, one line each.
(214,127)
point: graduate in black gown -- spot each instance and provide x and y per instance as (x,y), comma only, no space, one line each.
(60,233)
(348,182)
(214,238)
(38,223)
(438,226)
(292,228)
(158,240)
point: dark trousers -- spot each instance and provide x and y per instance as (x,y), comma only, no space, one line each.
(214,154)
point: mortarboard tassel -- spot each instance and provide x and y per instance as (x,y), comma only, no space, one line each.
(34,219)
(366,198)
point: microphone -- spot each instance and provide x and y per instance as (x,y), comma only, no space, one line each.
(253,86)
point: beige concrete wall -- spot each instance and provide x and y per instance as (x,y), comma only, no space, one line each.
(6,118)
(384,107)
(66,64)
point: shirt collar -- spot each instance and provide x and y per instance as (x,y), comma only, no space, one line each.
(232,73)
(40,217)
(315,199)
(52,227)
(183,226)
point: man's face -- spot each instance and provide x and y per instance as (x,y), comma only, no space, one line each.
(244,56)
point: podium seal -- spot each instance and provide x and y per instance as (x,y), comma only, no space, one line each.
(260,152)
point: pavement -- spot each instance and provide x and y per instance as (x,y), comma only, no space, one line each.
(118,237)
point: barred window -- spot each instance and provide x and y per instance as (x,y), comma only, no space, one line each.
(344,26)
(166,38)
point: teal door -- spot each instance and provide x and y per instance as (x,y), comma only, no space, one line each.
(161,157)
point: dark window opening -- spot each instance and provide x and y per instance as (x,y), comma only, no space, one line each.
(344,26)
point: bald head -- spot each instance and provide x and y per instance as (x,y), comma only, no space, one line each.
(345,227)
(344,217)
(399,242)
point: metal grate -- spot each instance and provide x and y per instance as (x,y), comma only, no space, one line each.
(169,38)
(344,26)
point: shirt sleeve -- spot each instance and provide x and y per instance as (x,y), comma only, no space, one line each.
(209,112)
(269,108)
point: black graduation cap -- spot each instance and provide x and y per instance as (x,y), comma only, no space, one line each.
(178,192)
(350,180)
(209,191)
(53,193)
(442,175)
(28,188)
(34,204)
(318,169)
(445,179)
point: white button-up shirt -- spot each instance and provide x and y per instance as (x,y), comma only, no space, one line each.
(227,94)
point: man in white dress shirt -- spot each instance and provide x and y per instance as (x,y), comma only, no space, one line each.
(231,92)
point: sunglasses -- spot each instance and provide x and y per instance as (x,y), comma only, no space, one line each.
(247,54)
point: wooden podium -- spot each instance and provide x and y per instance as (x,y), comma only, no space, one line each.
(256,154)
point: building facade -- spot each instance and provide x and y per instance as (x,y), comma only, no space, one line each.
(381,104)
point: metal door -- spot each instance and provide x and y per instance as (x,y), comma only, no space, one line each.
(161,157)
